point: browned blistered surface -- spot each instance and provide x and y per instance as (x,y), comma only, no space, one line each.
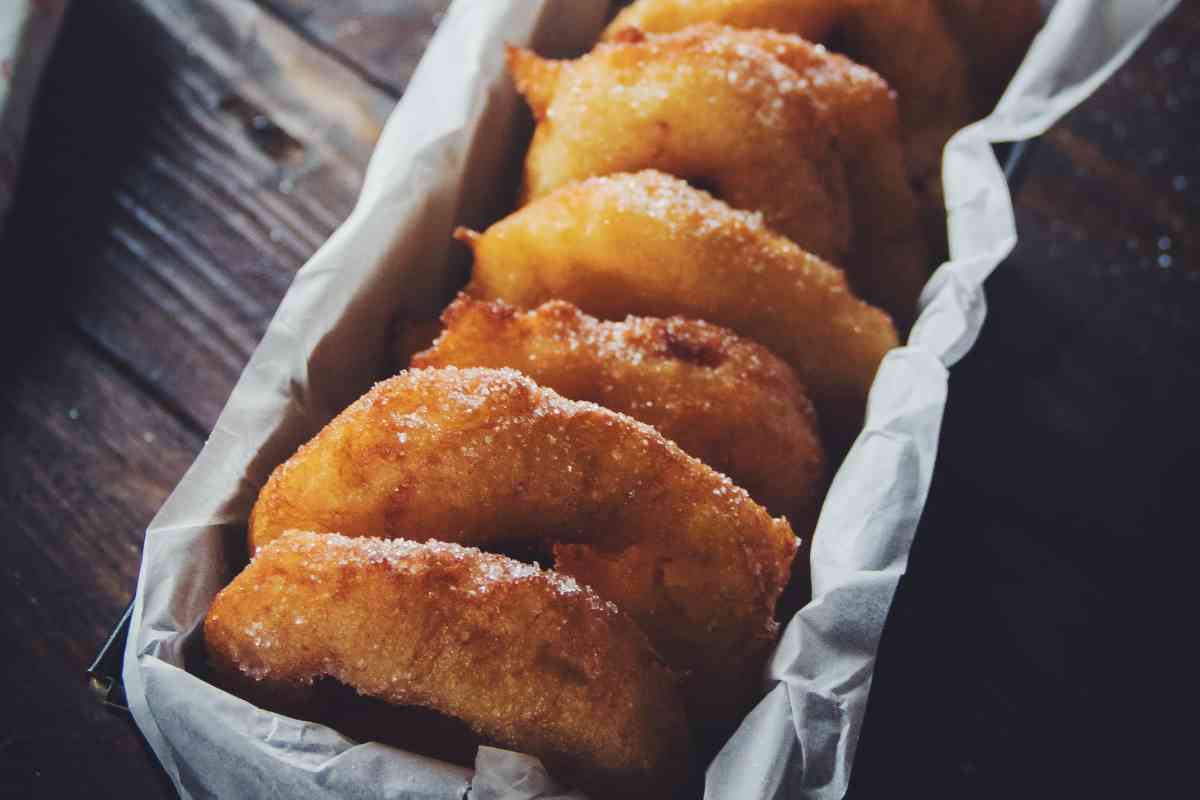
(651,245)
(529,659)
(995,37)
(725,115)
(908,42)
(725,400)
(486,457)
(890,259)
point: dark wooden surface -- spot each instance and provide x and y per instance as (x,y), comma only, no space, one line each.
(187,157)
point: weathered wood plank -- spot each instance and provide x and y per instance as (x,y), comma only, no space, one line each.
(321,103)
(87,460)
(179,210)
(383,39)
(181,169)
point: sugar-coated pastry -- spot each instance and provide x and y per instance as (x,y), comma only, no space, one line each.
(908,42)
(726,400)
(487,457)
(720,113)
(529,659)
(651,245)
(890,258)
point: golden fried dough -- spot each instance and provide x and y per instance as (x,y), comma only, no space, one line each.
(721,114)
(487,457)
(906,41)
(649,244)
(725,400)
(995,36)
(528,659)
(890,259)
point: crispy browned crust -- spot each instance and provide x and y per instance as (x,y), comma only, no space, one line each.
(725,400)
(651,245)
(890,258)
(536,78)
(995,35)
(528,659)
(908,42)
(487,457)
(720,113)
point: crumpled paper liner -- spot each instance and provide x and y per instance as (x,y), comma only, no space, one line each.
(446,157)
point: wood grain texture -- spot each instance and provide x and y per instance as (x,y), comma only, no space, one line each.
(206,187)
(185,160)
(383,38)
(331,113)
(87,460)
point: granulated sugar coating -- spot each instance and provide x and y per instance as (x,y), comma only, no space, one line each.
(490,458)
(651,245)
(725,114)
(528,659)
(725,400)
(890,258)
(908,42)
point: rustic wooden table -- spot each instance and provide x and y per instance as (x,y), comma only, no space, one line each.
(187,157)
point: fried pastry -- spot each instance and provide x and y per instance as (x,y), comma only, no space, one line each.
(725,400)
(995,37)
(890,258)
(486,457)
(908,42)
(719,113)
(651,245)
(529,659)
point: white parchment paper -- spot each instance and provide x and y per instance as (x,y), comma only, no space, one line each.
(443,159)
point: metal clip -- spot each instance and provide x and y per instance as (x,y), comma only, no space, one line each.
(104,675)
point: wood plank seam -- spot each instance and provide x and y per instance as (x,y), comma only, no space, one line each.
(140,382)
(315,42)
